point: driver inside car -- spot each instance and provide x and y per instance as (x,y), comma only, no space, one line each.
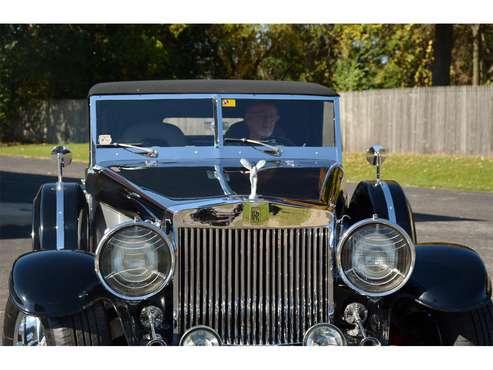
(260,124)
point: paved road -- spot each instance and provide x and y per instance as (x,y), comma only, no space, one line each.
(441,215)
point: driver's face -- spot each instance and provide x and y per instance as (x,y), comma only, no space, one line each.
(261,120)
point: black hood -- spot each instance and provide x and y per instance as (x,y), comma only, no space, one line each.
(186,181)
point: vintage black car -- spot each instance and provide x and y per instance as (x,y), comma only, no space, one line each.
(215,213)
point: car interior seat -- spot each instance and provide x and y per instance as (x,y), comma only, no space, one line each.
(154,134)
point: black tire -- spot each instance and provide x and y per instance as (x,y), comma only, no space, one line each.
(87,328)
(469,328)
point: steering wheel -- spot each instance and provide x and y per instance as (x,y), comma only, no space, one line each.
(155,142)
(277,140)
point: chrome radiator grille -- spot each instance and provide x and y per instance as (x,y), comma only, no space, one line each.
(254,286)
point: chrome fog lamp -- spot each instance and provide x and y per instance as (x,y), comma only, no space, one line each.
(324,335)
(200,335)
(375,257)
(135,260)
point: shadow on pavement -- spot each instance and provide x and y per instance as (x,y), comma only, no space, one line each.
(20,188)
(426,217)
(15,231)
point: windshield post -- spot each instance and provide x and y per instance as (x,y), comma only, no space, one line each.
(337,127)
(218,124)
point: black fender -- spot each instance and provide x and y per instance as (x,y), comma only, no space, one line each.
(54,283)
(44,217)
(449,278)
(369,198)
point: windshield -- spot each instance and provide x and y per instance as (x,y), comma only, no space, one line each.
(177,121)
(305,123)
(157,122)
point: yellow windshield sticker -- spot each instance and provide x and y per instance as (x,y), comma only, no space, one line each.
(229,103)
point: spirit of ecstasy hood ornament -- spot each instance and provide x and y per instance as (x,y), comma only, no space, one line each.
(253,171)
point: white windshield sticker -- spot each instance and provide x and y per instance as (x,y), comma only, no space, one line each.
(104,139)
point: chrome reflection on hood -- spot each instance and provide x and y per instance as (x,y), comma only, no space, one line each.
(253,214)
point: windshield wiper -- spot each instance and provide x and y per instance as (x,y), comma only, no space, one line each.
(149,152)
(273,150)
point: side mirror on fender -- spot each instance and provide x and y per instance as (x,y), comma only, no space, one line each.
(63,156)
(376,156)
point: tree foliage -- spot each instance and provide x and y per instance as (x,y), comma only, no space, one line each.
(42,62)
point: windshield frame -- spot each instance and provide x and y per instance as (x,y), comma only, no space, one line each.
(219,150)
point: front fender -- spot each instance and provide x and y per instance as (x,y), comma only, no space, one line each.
(44,225)
(54,283)
(449,278)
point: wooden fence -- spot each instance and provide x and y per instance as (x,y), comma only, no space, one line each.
(448,120)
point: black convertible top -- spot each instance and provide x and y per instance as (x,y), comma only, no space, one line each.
(211,86)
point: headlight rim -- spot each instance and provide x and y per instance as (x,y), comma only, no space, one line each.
(109,233)
(350,231)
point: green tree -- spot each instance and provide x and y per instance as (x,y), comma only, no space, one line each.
(382,56)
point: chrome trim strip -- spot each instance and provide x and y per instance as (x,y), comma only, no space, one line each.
(211,279)
(337,127)
(248,285)
(279,284)
(261,288)
(242,287)
(229,298)
(303,279)
(237,298)
(320,278)
(198,291)
(266,96)
(204,247)
(186,270)
(220,176)
(273,303)
(60,218)
(297,277)
(218,127)
(268,280)
(285,247)
(217,304)
(192,277)
(309,276)
(388,199)
(315,274)
(254,264)
(223,282)
(291,247)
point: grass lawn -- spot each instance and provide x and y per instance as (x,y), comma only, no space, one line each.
(80,152)
(430,171)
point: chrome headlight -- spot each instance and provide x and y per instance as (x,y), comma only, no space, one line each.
(324,335)
(135,260)
(200,335)
(375,257)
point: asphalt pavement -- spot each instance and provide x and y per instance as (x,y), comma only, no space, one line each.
(441,215)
